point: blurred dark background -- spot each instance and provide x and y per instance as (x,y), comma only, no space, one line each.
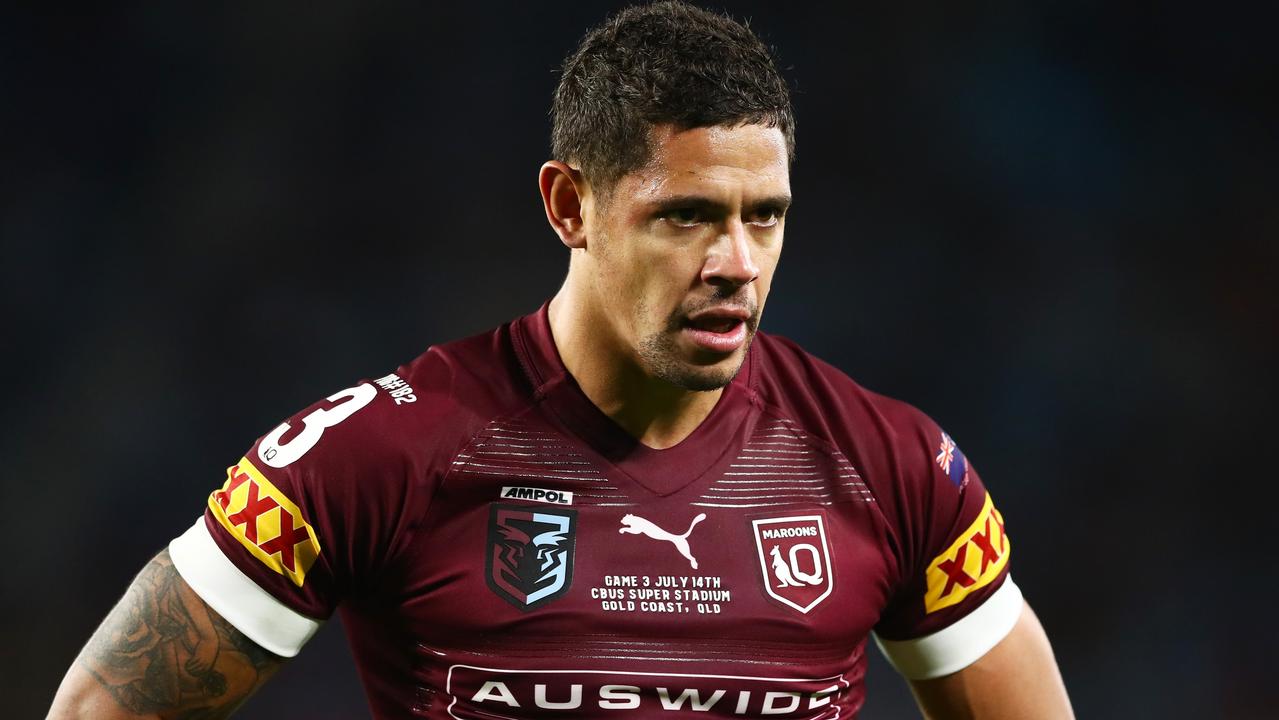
(1053,226)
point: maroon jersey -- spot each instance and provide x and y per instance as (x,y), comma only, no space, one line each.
(500,548)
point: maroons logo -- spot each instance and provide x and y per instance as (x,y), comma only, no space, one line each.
(530,553)
(794,560)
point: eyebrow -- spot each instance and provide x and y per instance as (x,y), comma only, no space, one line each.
(701,202)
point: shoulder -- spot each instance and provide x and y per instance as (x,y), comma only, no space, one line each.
(475,376)
(890,443)
(830,403)
(405,423)
(365,461)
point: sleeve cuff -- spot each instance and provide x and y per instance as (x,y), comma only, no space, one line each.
(960,644)
(225,588)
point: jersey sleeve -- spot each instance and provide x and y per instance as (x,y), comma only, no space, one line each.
(311,512)
(955,600)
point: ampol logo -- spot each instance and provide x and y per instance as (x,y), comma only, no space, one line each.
(555,497)
(794,559)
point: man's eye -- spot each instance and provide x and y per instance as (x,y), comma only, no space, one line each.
(766,217)
(683,217)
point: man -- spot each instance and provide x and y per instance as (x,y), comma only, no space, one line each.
(629,503)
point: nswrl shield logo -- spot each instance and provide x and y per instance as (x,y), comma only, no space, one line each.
(530,553)
(794,559)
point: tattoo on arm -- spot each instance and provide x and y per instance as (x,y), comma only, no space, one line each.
(162,650)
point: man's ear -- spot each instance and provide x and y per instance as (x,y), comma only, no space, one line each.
(563,195)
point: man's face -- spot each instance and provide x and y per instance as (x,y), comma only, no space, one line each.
(684,250)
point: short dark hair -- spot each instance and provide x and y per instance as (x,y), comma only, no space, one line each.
(667,62)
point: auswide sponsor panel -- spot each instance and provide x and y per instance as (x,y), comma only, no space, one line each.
(484,693)
(265,521)
(972,562)
(794,559)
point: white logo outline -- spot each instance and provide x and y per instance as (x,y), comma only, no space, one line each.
(791,575)
(636,525)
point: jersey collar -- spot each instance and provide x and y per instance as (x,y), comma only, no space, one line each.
(662,472)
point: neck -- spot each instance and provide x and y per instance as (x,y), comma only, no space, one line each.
(654,411)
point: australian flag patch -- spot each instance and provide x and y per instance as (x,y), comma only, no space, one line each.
(951,460)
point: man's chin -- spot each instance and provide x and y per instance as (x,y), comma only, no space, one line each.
(705,376)
(694,369)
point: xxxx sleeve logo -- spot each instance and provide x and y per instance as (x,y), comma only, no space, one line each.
(971,562)
(265,522)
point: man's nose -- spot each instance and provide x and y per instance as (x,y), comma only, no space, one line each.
(731,260)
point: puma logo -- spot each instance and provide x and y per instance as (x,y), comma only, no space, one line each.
(784,572)
(636,525)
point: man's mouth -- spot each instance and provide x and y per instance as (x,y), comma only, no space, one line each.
(715,324)
(718,330)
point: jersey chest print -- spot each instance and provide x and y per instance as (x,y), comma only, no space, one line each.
(616,600)
(531,567)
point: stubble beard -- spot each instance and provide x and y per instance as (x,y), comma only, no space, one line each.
(659,354)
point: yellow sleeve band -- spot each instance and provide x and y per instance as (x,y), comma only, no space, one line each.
(975,559)
(265,521)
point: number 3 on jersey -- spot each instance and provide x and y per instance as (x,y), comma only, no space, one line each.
(313,425)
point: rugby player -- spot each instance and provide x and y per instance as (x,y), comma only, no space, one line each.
(630,503)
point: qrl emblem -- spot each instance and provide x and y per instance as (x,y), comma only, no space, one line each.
(794,559)
(530,554)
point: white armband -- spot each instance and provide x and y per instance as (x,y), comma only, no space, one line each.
(252,610)
(960,644)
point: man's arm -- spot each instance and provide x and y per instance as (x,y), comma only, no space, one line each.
(1017,680)
(162,653)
